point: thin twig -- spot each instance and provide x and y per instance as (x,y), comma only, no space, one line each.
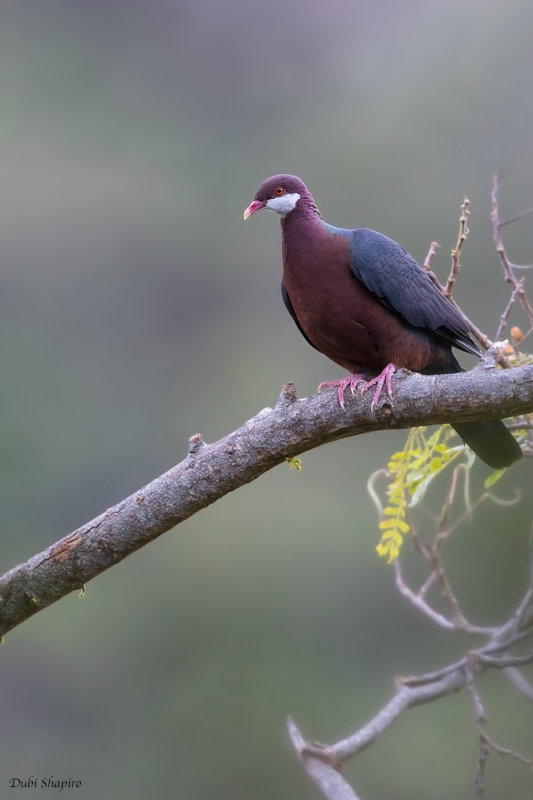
(432,555)
(505,316)
(486,742)
(431,252)
(507,266)
(417,600)
(506,751)
(479,780)
(519,681)
(476,332)
(456,253)
(505,661)
(516,217)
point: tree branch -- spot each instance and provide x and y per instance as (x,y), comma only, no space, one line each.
(319,768)
(420,689)
(211,471)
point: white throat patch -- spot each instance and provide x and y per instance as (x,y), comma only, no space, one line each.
(284,204)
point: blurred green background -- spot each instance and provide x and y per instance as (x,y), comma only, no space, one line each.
(137,308)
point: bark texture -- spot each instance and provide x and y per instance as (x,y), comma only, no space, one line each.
(212,470)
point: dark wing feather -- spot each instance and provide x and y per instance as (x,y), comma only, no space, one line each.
(290,309)
(387,270)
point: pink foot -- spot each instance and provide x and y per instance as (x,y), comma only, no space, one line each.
(350,381)
(384,377)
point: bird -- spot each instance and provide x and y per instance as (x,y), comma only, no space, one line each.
(362,300)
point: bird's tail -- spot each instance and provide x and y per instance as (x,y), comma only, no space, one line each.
(489,439)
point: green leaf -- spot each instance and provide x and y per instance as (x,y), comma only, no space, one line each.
(411,471)
(392,525)
(493,478)
(393,512)
(294,463)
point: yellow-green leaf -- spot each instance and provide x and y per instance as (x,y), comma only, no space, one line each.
(493,478)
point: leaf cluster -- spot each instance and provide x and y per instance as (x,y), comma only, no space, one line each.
(410,472)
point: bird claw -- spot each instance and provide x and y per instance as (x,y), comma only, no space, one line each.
(351,382)
(384,377)
(341,385)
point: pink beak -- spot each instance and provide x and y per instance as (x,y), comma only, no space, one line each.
(254,206)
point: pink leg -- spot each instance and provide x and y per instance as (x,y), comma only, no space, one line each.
(384,377)
(350,381)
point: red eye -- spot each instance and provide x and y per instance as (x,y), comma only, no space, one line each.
(279,191)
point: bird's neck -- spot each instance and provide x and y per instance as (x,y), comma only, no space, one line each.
(303,233)
(305,212)
(303,222)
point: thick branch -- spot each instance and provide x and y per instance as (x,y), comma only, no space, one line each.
(211,471)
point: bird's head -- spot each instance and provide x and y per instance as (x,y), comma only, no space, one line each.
(280,194)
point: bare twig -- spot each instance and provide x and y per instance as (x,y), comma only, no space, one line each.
(516,217)
(484,746)
(371,488)
(478,334)
(432,555)
(506,751)
(505,316)
(507,266)
(456,253)
(417,600)
(431,252)
(519,681)
(485,739)
(479,780)
(505,661)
